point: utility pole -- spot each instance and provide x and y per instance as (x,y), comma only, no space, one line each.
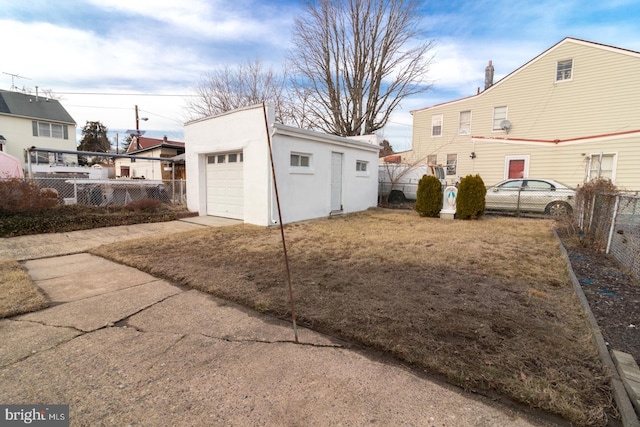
(138,118)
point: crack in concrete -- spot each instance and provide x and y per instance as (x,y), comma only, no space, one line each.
(258,341)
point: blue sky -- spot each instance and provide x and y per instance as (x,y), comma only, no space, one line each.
(141,51)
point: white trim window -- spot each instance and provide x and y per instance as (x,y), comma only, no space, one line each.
(464,123)
(50,130)
(602,165)
(436,125)
(564,70)
(499,114)
(432,159)
(300,160)
(362,168)
(452,162)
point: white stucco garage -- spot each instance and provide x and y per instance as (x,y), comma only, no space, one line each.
(229,171)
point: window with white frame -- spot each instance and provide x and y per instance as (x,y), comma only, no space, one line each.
(361,166)
(432,159)
(499,114)
(452,162)
(224,158)
(50,130)
(601,166)
(464,125)
(564,70)
(300,160)
(436,125)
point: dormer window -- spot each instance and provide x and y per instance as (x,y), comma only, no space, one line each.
(564,70)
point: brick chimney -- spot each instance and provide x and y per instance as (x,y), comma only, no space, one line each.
(488,75)
(164,139)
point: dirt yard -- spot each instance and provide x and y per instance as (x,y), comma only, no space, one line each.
(613,295)
(486,304)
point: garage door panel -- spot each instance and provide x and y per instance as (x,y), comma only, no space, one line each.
(225,189)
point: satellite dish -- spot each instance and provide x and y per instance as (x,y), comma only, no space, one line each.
(505,125)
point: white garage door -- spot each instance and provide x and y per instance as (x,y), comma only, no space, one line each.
(225,185)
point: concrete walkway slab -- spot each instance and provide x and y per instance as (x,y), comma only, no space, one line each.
(94,280)
(119,376)
(102,310)
(210,316)
(24,339)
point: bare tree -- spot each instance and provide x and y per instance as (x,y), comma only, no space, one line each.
(228,88)
(386,148)
(357,60)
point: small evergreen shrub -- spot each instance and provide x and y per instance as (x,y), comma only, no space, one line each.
(470,202)
(429,197)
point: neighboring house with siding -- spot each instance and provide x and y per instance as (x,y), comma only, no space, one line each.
(28,120)
(151,169)
(570,114)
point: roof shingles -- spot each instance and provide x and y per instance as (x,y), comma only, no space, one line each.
(32,107)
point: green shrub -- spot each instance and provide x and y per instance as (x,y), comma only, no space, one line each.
(470,202)
(429,197)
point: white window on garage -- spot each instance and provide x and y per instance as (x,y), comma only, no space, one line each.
(300,162)
(362,168)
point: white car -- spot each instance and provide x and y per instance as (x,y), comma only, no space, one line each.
(531,195)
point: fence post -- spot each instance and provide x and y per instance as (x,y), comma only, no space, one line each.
(613,223)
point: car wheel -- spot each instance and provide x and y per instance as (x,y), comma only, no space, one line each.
(558,209)
(396,197)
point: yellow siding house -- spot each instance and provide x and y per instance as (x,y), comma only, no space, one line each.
(571,114)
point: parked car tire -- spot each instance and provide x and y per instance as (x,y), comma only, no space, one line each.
(558,209)
(397,196)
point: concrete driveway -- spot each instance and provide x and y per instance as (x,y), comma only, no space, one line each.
(124,348)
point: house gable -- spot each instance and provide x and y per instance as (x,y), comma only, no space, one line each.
(574,93)
(28,120)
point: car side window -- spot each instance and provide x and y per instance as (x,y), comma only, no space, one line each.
(512,185)
(538,186)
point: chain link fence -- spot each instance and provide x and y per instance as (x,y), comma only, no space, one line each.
(113,192)
(611,223)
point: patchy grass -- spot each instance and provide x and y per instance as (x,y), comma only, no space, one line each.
(18,293)
(487,304)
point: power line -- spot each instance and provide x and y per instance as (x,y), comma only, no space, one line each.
(122,94)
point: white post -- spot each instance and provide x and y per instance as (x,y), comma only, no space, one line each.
(613,223)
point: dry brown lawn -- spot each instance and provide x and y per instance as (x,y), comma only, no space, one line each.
(18,293)
(487,304)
